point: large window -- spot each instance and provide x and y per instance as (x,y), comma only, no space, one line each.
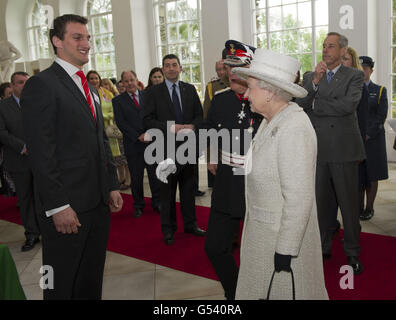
(37,31)
(102,45)
(178,31)
(294,27)
(393,71)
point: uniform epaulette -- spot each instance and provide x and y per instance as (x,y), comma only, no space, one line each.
(222,90)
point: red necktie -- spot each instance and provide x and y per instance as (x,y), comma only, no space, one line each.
(134,100)
(87,92)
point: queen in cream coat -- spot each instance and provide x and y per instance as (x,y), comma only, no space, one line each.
(281,228)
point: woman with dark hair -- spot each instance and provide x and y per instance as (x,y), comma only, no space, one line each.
(5,90)
(156,76)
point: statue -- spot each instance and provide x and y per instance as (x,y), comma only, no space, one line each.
(8,54)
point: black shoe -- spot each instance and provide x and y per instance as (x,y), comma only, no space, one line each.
(29,244)
(356,265)
(199,193)
(196,231)
(157,209)
(326,256)
(168,239)
(367,214)
(138,213)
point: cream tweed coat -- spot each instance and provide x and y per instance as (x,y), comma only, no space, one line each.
(281,211)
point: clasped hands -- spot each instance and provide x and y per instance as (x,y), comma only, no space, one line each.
(182,128)
(66,221)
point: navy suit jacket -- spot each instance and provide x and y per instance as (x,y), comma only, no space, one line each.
(129,119)
(12,136)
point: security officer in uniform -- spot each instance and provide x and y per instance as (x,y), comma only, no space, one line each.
(215,85)
(229,110)
(375,144)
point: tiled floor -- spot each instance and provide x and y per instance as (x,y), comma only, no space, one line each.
(130,279)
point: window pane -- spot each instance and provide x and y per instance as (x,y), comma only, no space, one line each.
(183,31)
(194,49)
(276,41)
(185,49)
(322,12)
(290,42)
(196,73)
(306,40)
(394,30)
(194,30)
(172,32)
(320,37)
(394,61)
(305,14)
(275,18)
(262,40)
(290,17)
(171,11)
(182,9)
(261,21)
(192,12)
(272,3)
(260,3)
(394,8)
(186,74)
(306,62)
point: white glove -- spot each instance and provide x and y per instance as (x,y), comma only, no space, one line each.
(164,169)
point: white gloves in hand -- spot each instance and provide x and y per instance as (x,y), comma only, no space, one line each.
(164,169)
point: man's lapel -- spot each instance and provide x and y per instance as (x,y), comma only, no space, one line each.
(167,97)
(72,87)
(183,96)
(338,79)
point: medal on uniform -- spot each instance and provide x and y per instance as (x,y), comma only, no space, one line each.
(250,130)
(242,115)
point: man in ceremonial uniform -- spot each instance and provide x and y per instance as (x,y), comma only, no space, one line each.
(230,111)
(375,143)
(219,83)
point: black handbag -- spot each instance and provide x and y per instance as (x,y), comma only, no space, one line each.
(270,286)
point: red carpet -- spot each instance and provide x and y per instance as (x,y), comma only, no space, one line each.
(142,239)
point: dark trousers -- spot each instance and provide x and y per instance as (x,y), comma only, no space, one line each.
(77,259)
(218,247)
(184,176)
(338,183)
(211,178)
(136,165)
(24,189)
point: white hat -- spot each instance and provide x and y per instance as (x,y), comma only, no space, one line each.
(277,69)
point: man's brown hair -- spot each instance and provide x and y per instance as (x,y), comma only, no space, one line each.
(59,26)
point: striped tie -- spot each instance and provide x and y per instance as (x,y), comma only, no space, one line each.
(87,92)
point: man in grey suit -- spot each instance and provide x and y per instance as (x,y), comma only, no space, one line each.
(15,158)
(334,92)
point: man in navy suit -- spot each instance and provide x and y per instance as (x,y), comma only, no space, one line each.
(16,158)
(128,113)
(75,177)
(178,102)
